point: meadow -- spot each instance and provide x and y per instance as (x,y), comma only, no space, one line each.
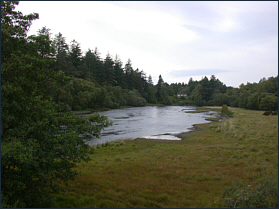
(191,173)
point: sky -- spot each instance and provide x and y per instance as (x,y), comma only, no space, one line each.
(237,41)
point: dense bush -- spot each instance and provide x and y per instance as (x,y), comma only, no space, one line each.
(268,112)
(263,194)
(226,112)
(268,102)
(133,98)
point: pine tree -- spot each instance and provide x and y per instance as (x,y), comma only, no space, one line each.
(109,70)
(150,80)
(128,69)
(61,62)
(119,72)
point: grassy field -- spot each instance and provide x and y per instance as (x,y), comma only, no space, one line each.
(189,173)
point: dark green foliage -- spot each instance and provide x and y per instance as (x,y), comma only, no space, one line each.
(275,112)
(5,202)
(226,112)
(224,109)
(109,71)
(196,95)
(61,61)
(101,76)
(269,112)
(133,98)
(262,194)
(253,101)
(151,93)
(256,96)
(268,102)
(164,92)
(39,144)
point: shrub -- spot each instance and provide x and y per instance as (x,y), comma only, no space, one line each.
(263,194)
(5,204)
(135,99)
(225,111)
(67,108)
(275,112)
(269,102)
(267,112)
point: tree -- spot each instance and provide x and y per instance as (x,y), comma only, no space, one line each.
(13,32)
(75,53)
(43,43)
(233,97)
(205,90)
(39,144)
(61,62)
(135,99)
(268,102)
(89,62)
(220,99)
(128,69)
(75,60)
(225,111)
(253,101)
(160,94)
(119,72)
(243,99)
(99,73)
(151,91)
(196,95)
(150,80)
(109,70)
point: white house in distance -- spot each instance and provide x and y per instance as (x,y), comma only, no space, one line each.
(182,94)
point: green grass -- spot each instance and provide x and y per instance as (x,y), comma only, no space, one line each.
(121,117)
(212,119)
(189,173)
(197,111)
(88,111)
(85,111)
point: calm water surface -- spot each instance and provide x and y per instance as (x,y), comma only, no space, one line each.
(149,122)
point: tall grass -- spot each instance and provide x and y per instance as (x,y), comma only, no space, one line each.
(193,172)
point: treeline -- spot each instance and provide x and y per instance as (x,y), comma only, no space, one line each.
(255,96)
(95,83)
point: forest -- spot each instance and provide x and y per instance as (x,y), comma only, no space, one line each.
(96,83)
(43,79)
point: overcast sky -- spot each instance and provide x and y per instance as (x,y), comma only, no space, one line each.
(235,41)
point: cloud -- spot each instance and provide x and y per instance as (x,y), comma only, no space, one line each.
(132,23)
(196,72)
(226,39)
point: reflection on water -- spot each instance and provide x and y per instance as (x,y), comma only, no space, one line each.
(162,137)
(149,122)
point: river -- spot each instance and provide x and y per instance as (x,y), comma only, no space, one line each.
(151,122)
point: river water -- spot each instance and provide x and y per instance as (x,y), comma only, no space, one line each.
(151,122)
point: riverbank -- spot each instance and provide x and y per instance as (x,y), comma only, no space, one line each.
(192,172)
(89,110)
